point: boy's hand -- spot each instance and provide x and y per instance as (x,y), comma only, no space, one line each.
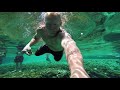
(27,50)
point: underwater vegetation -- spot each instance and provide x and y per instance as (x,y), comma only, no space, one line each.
(35,71)
(99,68)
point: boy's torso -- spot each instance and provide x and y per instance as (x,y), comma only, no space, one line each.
(54,43)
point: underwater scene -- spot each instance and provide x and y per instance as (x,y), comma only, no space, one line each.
(97,35)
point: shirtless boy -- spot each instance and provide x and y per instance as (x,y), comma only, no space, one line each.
(57,41)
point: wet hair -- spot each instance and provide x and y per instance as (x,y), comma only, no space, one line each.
(50,15)
(59,15)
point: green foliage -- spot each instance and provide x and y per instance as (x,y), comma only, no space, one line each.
(35,71)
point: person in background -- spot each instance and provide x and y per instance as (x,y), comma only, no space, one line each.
(18,61)
(58,40)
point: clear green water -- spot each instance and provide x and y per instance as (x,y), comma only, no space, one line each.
(99,47)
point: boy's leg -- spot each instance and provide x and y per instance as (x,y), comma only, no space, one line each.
(20,66)
(58,55)
(16,68)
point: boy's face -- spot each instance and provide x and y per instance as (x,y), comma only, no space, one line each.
(53,24)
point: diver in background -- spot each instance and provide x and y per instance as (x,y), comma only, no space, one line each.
(19,57)
(18,60)
(57,41)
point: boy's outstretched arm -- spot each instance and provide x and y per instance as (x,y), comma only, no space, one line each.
(27,49)
(74,58)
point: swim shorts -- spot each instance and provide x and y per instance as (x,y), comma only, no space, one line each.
(45,49)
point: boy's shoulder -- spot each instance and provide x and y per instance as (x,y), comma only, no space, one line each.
(64,32)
